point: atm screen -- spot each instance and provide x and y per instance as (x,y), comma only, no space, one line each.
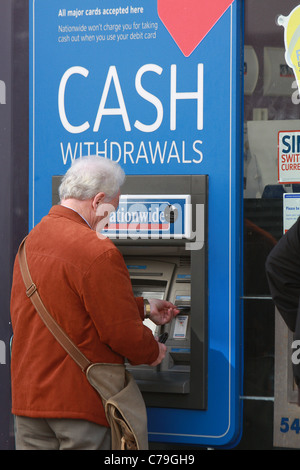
(151,290)
(142,291)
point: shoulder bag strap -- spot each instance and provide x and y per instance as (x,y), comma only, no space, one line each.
(56,330)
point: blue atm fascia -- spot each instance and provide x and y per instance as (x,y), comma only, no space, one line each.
(215,150)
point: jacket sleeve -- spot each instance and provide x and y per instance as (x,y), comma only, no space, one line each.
(109,299)
(140,305)
(283,273)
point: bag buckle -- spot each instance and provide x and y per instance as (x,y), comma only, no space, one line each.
(31,290)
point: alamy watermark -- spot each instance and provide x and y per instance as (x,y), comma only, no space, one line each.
(153,221)
(2,352)
(296,94)
(2,92)
(296,353)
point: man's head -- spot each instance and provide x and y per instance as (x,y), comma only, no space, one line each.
(91,186)
(89,176)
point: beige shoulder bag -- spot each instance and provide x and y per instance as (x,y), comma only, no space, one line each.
(122,400)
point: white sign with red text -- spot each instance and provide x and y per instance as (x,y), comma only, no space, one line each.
(288,157)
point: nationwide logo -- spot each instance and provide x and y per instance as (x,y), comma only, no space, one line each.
(162,216)
(2,92)
(153,217)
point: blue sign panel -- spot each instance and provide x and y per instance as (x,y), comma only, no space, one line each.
(131,81)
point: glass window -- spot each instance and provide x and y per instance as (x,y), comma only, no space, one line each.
(271,121)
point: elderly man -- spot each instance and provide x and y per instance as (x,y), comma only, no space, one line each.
(84,283)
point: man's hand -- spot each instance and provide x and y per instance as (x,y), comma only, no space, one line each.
(161,354)
(161,311)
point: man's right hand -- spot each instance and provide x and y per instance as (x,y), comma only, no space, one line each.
(161,354)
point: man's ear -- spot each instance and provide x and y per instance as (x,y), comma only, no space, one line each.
(98,199)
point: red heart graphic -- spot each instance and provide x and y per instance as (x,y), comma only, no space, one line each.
(189,21)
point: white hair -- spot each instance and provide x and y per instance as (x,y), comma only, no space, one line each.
(89,176)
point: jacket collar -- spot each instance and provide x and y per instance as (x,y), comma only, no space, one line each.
(71,214)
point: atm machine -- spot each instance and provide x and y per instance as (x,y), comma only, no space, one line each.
(166,256)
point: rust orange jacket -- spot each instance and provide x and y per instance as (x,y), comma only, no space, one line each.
(84,283)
